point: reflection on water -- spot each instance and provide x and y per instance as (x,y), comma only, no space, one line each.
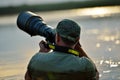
(109,69)
(108,36)
(109,62)
(98,11)
(100,29)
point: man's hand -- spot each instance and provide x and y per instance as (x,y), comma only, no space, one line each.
(27,76)
(77,46)
(42,47)
(80,50)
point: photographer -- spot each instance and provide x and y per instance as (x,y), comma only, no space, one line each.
(60,65)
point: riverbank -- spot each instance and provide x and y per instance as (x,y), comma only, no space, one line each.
(57,6)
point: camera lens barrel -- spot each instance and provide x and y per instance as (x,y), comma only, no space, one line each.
(23,18)
(34,25)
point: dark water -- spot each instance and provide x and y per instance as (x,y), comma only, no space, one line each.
(100,37)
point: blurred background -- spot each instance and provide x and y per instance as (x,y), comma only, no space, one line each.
(100,35)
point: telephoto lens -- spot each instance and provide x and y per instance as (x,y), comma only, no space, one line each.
(34,25)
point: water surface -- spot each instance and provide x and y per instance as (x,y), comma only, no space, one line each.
(100,38)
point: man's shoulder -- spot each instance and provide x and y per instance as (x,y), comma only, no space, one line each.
(64,62)
(41,56)
(85,60)
(88,63)
(62,57)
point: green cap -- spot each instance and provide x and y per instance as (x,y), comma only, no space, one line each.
(68,29)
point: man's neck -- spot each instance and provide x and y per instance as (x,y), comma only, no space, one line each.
(65,45)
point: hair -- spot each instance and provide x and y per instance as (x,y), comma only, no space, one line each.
(67,41)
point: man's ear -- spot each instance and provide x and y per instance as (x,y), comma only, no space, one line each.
(77,40)
(57,38)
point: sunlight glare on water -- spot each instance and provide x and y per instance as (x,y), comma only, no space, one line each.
(98,11)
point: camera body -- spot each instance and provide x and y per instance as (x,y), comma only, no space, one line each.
(34,25)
